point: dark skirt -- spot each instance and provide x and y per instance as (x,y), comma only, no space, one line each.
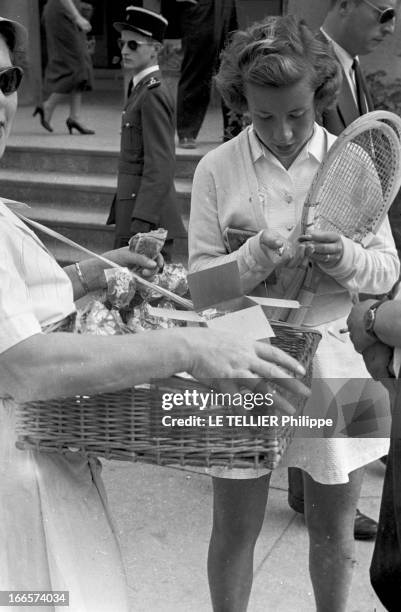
(69,66)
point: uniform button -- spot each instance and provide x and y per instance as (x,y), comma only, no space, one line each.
(290,228)
(133,195)
(288,197)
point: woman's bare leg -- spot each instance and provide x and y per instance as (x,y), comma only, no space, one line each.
(238,513)
(75,105)
(330,515)
(50,104)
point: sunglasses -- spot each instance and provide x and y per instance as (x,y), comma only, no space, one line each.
(383,16)
(10,79)
(132,44)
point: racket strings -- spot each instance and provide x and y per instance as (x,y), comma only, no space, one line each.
(352,198)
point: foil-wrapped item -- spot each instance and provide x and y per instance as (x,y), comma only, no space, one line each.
(96,319)
(140,319)
(134,321)
(149,243)
(121,287)
(173,278)
(211,313)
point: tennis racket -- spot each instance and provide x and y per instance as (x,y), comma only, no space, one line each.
(391,119)
(352,191)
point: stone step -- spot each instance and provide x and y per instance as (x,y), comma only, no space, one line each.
(87,228)
(90,192)
(87,161)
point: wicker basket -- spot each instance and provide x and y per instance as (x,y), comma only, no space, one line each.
(127,425)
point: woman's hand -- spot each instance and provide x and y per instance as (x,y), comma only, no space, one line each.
(92,270)
(325,248)
(355,322)
(127,259)
(277,249)
(230,363)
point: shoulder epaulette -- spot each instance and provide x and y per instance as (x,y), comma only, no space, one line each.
(153,82)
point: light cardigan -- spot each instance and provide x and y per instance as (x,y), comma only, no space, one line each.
(225,194)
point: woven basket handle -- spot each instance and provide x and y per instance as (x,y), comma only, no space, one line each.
(18,206)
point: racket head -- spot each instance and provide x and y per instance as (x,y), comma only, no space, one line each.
(391,119)
(357,181)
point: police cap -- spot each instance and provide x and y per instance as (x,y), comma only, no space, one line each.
(143,21)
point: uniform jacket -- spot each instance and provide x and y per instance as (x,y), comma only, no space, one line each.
(145,185)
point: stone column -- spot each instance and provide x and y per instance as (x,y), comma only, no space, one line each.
(27,13)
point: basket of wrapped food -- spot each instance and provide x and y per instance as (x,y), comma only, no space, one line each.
(177,422)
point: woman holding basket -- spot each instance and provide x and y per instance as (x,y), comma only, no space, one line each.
(284,76)
(56,532)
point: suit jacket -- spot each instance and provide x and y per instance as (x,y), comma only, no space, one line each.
(145,185)
(345,109)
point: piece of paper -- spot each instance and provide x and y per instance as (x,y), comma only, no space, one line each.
(214,285)
(250,322)
(176,315)
(273,302)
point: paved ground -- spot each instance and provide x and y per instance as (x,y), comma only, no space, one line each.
(164,519)
(164,515)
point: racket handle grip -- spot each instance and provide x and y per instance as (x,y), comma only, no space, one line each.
(305,298)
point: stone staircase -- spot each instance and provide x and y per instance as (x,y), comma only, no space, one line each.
(70,191)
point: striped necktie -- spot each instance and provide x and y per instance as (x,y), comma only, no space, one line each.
(360,89)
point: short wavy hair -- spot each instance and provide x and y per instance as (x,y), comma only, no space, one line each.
(277,52)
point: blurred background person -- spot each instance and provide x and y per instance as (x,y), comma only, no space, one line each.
(69,68)
(87,12)
(205,26)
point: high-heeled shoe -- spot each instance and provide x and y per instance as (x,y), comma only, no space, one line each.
(75,125)
(40,111)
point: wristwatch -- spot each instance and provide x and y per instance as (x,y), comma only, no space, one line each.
(369,318)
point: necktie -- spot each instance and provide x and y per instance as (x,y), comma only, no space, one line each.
(360,93)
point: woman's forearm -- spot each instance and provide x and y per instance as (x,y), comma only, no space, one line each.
(62,364)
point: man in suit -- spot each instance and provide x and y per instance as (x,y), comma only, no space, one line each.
(146,197)
(354,27)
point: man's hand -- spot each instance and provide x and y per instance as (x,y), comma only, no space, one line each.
(226,360)
(377,358)
(355,322)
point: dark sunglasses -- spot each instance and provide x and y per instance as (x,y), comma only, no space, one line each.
(383,16)
(10,79)
(132,44)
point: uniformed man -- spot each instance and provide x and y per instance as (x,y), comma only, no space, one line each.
(146,197)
